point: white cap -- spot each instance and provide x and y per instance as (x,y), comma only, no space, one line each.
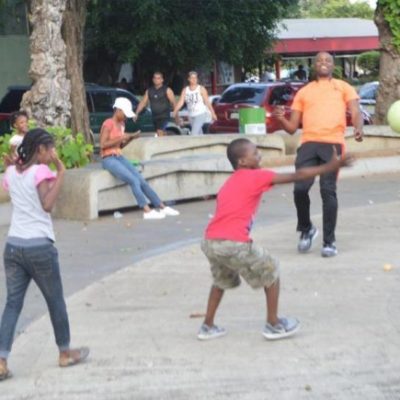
(123,104)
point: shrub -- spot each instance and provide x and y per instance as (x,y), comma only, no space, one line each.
(369,62)
(73,151)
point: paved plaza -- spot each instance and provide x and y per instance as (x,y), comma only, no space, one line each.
(135,291)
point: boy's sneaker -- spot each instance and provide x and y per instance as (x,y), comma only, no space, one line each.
(306,239)
(210,332)
(153,214)
(329,250)
(284,328)
(169,211)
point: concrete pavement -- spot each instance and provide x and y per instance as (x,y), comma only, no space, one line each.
(137,322)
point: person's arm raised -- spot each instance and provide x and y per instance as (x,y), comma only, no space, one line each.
(49,190)
(310,172)
(289,125)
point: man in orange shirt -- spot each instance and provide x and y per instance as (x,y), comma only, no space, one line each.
(320,107)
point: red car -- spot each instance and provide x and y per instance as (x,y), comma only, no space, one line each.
(245,95)
(267,95)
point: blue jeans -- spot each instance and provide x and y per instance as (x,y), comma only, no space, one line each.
(40,263)
(122,169)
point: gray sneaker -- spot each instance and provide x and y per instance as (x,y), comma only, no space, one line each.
(284,328)
(329,250)
(210,332)
(306,239)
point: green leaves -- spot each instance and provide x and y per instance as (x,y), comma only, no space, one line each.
(334,9)
(369,61)
(73,151)
(172,34)
(391,13)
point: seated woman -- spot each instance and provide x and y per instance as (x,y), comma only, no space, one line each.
(112,139)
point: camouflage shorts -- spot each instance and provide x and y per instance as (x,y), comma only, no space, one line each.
(231,260)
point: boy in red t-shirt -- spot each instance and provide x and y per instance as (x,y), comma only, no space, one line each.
(227,243)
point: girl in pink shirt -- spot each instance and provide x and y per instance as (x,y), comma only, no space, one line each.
(30,253)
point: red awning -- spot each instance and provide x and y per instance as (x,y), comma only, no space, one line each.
(310,46)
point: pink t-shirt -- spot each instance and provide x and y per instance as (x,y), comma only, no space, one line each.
(115,132)
(237,203)
(28,220)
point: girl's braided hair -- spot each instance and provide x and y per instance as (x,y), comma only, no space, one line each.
(30,144)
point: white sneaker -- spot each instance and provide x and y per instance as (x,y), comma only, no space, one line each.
(169,211)
(153,214)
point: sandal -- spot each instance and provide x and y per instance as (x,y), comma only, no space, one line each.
(73,357)
(5,373)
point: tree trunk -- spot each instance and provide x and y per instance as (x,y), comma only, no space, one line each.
(73,33)
(389,69)
(48,101)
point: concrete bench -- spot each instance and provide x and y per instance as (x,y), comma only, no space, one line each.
(173,147)
(88,191)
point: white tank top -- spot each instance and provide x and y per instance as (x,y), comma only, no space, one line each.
(194,101)
(28,220)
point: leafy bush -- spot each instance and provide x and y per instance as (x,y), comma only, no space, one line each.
(5,149)
(369,62)
(73,151)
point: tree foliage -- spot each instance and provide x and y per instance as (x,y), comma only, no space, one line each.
(391,13)
(334,9)
(387,17)
(171,34)
(369,62)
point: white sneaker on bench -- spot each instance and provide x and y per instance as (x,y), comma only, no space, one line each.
(153,214)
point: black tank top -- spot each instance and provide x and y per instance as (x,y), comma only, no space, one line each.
(159,102)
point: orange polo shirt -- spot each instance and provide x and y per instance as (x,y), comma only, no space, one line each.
(115,132)
(323,106)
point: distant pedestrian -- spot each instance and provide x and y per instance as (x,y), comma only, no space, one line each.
(19,124)
(320,107)
(112,139)
(199,107)
(300,73)
(162,101)
(231,252)
(29,252)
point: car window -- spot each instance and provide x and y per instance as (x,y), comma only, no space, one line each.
(281,95)
(240,94)
(102,101)
(89,102)
(368,93)
(11,101)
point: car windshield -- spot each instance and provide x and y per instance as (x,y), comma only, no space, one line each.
(240,94)
(368,92)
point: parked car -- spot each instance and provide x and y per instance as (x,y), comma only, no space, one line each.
(367,93)
(247,95)
(267,95)
(100,100)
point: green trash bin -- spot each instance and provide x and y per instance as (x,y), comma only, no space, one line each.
(252,121)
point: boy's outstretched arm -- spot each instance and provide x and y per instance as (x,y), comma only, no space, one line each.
(310,172)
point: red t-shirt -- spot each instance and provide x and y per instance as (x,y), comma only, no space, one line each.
(237,203)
